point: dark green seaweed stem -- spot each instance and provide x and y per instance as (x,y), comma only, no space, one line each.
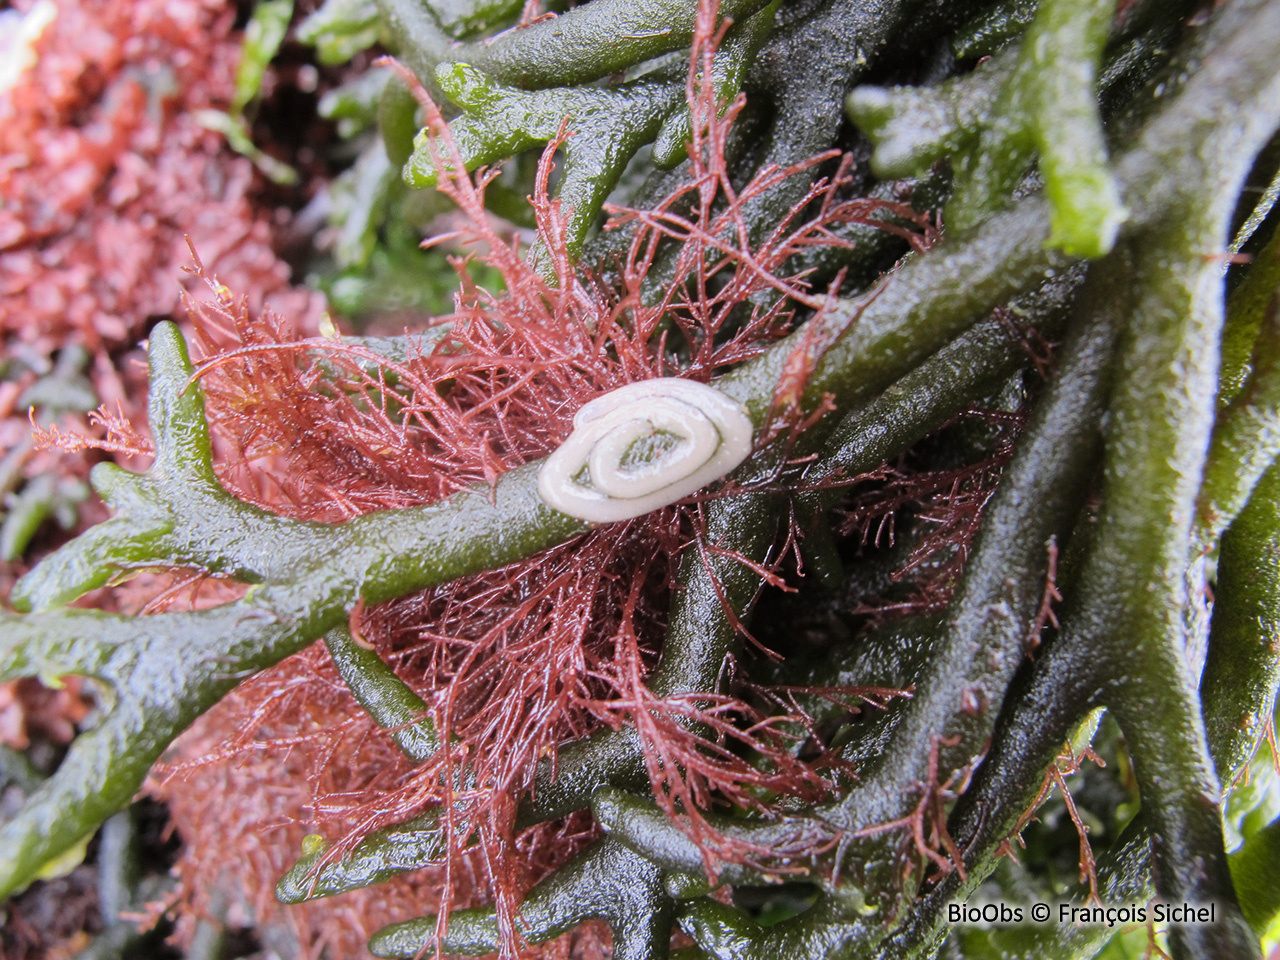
(1132,414)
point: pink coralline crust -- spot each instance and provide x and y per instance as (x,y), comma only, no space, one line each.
(29,709)
(104,168)
(104,173)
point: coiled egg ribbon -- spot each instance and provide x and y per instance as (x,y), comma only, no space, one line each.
(643,446)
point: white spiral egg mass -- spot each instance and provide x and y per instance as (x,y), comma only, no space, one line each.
(643,446)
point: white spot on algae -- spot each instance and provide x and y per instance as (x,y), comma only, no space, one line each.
(18,35)
(643,446)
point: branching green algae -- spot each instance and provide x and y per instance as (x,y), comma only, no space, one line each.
(1141,455)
